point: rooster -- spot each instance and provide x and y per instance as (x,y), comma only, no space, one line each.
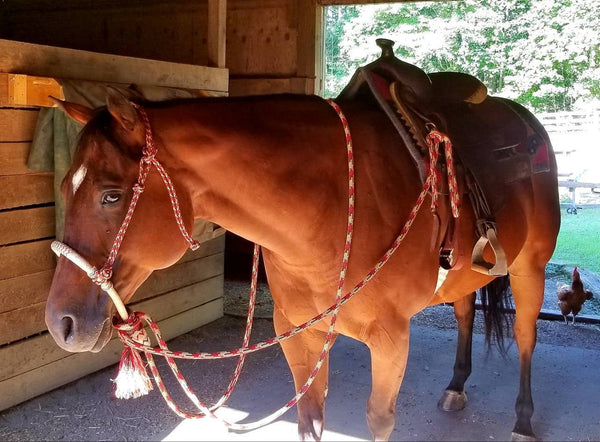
(571,298)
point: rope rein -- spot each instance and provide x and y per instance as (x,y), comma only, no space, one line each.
(133,381)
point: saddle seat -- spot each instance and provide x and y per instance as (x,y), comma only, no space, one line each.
(491,137)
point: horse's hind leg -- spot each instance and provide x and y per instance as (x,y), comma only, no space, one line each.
(389,354)
(528,291)
(302,352)
(454,397)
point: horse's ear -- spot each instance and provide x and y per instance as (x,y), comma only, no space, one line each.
(74,111)
(121,109)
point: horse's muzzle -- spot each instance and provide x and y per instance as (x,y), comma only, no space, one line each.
(74,334)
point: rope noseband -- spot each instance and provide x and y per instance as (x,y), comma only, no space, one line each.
(131,330)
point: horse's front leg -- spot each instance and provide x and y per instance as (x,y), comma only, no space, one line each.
(302,352)
(389,354)
(454,397)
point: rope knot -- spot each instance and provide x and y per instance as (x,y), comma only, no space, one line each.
(102,276)
(132,379)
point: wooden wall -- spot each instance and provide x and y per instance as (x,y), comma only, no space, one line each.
(183,297)
(172,30)
(26,227)
(270,44)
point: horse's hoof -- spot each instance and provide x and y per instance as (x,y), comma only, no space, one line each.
(518,437)
(452,400)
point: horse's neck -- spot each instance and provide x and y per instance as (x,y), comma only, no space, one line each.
(258,168)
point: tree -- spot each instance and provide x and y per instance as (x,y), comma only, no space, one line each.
(543,53)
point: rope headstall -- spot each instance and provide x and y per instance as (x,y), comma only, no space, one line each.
(133,380)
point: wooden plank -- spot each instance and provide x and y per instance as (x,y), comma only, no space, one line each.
(27,90)
(24,290)
(22,323)
(252,33)
(180,275)
(217,32)
(20,291)
(26,224)
(26,190)
(259,86)
(26,258)
(48,61)
(18,355)
(306,16)
(28,318)
(13,158)
(17,125)
(43,379)
(3,89)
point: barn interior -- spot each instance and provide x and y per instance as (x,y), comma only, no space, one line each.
(201,47)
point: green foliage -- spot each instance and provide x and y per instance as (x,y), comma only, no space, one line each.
(543,53)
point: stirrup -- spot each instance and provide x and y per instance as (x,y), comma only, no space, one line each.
(479,264)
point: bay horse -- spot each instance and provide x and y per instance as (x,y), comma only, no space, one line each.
(272,169)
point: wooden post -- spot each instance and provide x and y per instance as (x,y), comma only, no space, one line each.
(217,27)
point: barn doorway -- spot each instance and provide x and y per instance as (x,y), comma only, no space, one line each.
(543,54)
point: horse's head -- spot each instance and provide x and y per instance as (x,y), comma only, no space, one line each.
(97,191)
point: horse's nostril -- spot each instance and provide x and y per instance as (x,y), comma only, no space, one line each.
(67,325)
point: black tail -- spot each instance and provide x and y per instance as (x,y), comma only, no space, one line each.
(496,303)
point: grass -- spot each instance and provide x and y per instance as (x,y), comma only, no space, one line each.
(579,239)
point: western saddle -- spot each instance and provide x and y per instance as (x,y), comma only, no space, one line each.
(496,140)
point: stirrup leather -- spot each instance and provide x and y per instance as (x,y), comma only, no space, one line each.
(487,232)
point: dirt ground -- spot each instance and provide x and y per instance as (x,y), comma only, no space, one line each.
(566,384)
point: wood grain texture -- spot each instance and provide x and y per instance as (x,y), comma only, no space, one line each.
(17,125)
(26,224)
(13,158)
(26,258)
(26,190)
(50,61)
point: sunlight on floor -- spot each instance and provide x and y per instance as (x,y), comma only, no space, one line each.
(211,429)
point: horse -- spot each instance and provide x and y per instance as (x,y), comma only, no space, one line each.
(272,169)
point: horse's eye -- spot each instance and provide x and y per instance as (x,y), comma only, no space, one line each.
(110,197)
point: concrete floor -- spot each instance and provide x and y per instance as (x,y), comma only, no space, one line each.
(566,387)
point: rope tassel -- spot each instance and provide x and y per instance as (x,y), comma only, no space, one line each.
(132,379)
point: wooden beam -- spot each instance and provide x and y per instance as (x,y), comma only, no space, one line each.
(50,61)
(217,32)
(306,17)
(27,90)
